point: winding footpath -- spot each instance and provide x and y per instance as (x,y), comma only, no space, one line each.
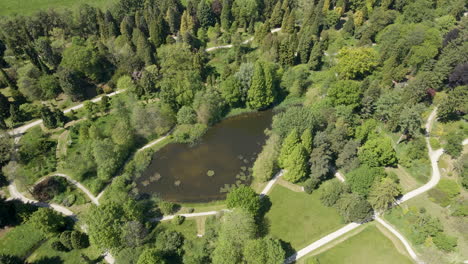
(435,178)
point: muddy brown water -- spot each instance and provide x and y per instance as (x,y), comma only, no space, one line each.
(205,172)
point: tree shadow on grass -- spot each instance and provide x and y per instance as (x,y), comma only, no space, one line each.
(49,260)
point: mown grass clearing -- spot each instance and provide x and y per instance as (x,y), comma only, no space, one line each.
(27,7)
(45,254)
(369,246)
(407,181)
(20,241)
(299,218)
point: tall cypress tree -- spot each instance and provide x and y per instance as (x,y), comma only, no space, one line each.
(259,96)
(277,15)
(111,25)
(205,15)
(226,15)
(305,45)
(315,59)
(4,106)
(126,29)
(186,23)
(156,32)
(289,143)
(296,164)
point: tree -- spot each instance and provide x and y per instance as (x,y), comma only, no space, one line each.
(44,49)
(260,94)
(410,121)
(263,250)
(186,115)
(187,24)
(315,58)
(47,221)
(356,62)
(383,194)
(347,158)
(209,106)
(151,256)
(72,85)
(226,15)
(6,147)
(231,91)
(320,162)
(237,227)
(454,145)
(4,106)
(106,158)
(122,133)
(345,92)
(49,86)
(266,163)
(361,179)
(104,223)
(306,139)
(331,191)
(245,198)
(83,59)
(289,143)
(378,152)
(354,208)
(156,32)
(48,117)
(169,243)
(79,240)
(296,164)
(205,16)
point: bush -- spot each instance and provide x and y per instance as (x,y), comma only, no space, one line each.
(435,144)
(331,192)
(79,240)
(178,219)
(311,184)
(167,208)
(445,242)
(245,198)
(189,133)
(58,246)
(65,239)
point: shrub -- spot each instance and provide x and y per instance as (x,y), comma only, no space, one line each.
(167,208)
(445,242)
(444,192)
(58,246)
(178,219)
(331,191)
(245,198)
(454,145)
(435,144)
(311,184)
(79,240)
(65,239)
(265,165)
(189,133)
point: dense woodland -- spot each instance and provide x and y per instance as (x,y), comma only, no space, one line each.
(351,81)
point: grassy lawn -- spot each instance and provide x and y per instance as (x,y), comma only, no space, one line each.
(188,228)
(20,240)
(453,226)
(47,255)
(27,7)
(368,246)
(407,181)
(300,218)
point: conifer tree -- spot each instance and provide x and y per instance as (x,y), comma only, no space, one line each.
(296,164)
(349,25)
(306,139)
(226,15)
(156,32)
(111,25)
(284,22)
(315,59)
(4,106)
(305,45)
(290,23)
(2,123)
(205,15)
(172,20)
(186,23)
(289,143)
(277,15)
(15,114)
(48,118)
(259,96)
(126,29)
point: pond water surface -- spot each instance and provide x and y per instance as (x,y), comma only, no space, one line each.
(205,172)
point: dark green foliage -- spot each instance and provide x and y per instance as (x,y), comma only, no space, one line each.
(79,240)
(169,242)
(83,59)
(71,83)
(4,106)
(301,118)
(58,246)
(354,208)
(189,133)
(151,256)
(345,93)
(186,115)
(205,16)
(178,219)
(8,259)
(347,158)
(263,88)
(65,239)
(167,208)
(244,198)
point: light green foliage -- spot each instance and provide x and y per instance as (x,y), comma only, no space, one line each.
(361,179)
(245,198)
(6,147)
(331,191)
(186,115)
(366,130)
(454,146)
(445,242)
(300,118)
(295,80)
(106,155)
(296,164)
(378,152)
(287,147)
(83,58)
(151,256)
(189,133)
(122,133)
(263,250)
(236,229)
(383,194)
(125,83)
(231,91)
(209,106)
(345,92)
(356,62)
(445,192)
(169,242)
(245,10)
(47,221)
(266,163)
(306,140)
(354,208)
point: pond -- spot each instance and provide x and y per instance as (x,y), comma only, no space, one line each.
(206,171)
